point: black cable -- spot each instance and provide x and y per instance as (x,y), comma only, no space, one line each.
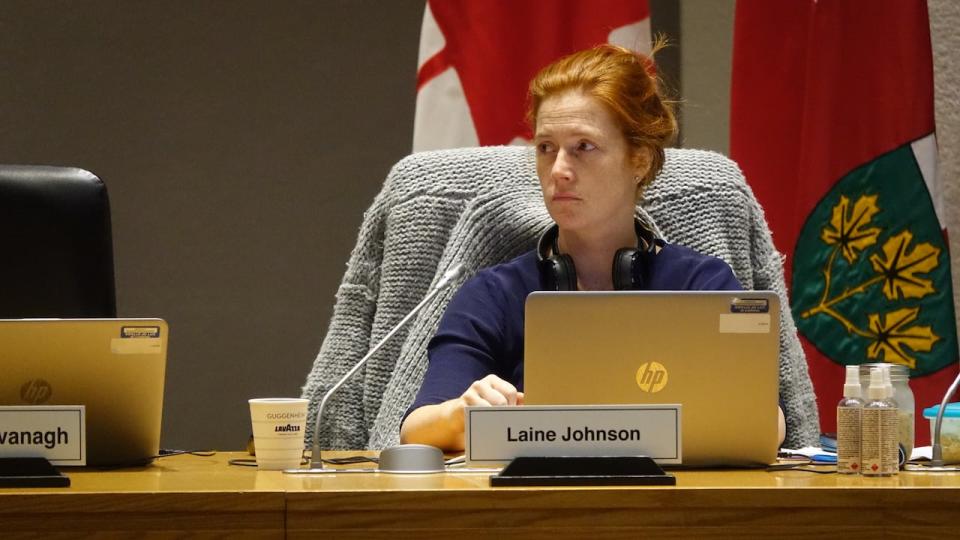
(349,460)
(146,461)
(166,452)
(803,465)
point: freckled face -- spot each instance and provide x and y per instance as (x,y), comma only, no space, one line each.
(584,164)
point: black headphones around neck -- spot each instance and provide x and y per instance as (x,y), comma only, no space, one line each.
(630,265)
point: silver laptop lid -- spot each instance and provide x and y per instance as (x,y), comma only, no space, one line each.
(115,367)
(714,352)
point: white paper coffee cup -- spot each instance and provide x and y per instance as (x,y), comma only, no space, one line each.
(278,429)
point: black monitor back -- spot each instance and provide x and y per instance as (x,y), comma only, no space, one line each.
(56,244)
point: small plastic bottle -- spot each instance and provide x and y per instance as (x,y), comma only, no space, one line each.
(890,427)
(849,414)
(900,377)
(879,428)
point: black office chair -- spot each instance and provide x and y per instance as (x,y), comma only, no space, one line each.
(56,243)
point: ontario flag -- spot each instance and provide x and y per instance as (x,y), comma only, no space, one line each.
(478,56)
(832,121)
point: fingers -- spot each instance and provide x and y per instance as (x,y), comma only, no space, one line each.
(491,390)
(504,393)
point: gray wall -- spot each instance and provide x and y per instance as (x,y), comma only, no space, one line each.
(241,142)
(706,53)
(944,21)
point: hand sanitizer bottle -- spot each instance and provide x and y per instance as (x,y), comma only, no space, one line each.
(890,427)
(874,442)
(849,413)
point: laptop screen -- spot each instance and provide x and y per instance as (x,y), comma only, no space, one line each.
(716,353)
(114,367)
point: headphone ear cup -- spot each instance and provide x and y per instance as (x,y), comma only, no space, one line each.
(548,273)
(624,261)
(566,273)
(558,273)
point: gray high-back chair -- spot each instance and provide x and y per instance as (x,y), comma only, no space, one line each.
(482,206)
(56,243)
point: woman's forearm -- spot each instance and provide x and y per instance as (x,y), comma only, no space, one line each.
(439,425)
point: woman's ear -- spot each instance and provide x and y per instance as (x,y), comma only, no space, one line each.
(642,161)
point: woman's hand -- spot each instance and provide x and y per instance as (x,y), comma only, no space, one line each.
(781,427)
(442,425)
(491,391)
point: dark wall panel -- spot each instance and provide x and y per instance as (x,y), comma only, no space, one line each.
(240,142)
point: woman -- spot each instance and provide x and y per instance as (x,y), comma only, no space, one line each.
(600,128)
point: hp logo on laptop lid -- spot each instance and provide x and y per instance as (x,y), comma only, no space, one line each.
(652,377)
(36,391)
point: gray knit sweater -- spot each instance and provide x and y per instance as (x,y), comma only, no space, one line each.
(483,206)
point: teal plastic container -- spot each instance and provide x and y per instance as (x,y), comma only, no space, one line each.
(949,430)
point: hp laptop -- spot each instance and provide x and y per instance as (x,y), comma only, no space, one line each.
(115,367)
(715,353)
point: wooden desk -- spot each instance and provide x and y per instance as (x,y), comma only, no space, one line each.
(743,503)
(206,497)
(175,496)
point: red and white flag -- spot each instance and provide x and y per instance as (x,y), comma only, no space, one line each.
(832,122)
(477,58)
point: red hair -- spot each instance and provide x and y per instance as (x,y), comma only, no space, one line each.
(624,81)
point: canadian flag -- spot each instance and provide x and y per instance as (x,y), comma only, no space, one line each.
(477,58)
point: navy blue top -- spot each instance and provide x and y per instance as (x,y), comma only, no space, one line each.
(481,331)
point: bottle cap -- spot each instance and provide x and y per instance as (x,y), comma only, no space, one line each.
(851,387)
(878,389)
(887,381)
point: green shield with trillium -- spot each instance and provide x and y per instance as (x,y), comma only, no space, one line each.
(871,271)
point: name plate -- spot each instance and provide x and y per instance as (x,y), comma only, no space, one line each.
(496,435)
(55,432)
